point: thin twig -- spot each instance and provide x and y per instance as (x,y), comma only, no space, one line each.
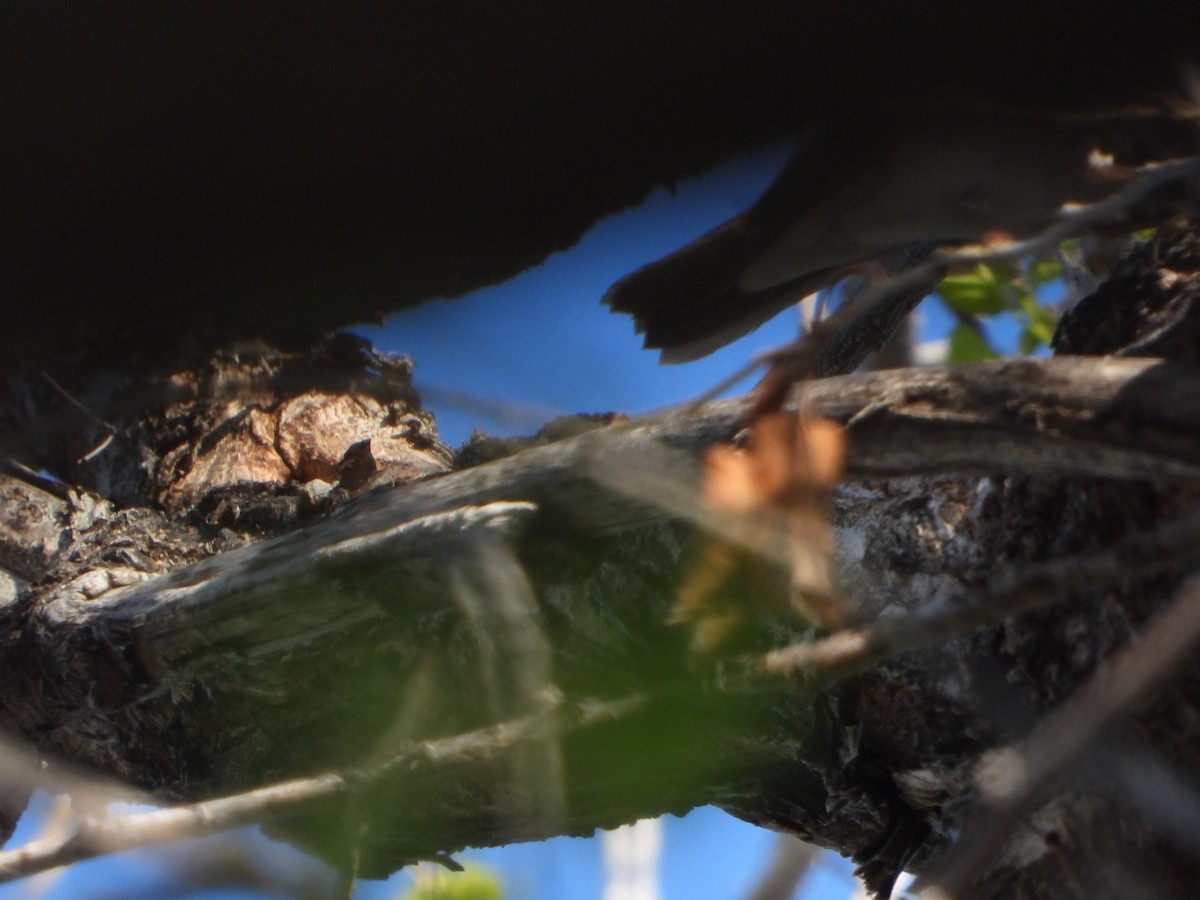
(1165,797)
(18,469)
(1010,593)
(1015,780)
(790,863)
(107,426)
(93,837)
(1071,223)
(514,665)
(21,763)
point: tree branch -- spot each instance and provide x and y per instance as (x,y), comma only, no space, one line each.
(312,651)
(93,837)
(1012,781)
(1115,418)
(1009,594)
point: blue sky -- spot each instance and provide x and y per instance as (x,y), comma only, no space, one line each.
(706,854)
(509,357)
(542,344)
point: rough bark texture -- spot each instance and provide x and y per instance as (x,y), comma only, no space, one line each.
(255,564)
(317,612)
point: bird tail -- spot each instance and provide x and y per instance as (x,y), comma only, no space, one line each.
(688,304)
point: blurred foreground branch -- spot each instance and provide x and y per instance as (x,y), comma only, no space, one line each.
(93,836)
(1012,782)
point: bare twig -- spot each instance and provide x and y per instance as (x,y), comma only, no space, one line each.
(1011,593)
(515,666)
(1013,781)
(1071,223)
(1165,797)
(109,428)
(837,343)
(22,764)
(790,862)
(93,837)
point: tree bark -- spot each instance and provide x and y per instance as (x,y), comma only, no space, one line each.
(213,635)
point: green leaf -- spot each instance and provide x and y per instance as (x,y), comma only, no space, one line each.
(473,883)
(1040,322)
(968,345)
(976,293)
(1044,270)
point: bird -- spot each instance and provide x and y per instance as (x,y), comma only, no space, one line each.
(178,179)
(860,189)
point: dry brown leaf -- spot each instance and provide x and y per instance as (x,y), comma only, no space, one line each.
(788,467)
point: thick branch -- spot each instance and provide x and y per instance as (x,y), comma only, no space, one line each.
(1118,418)
(341,641)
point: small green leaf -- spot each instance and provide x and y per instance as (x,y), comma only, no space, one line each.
(1040,322)
(473,883)
(968,345)
(976,293)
